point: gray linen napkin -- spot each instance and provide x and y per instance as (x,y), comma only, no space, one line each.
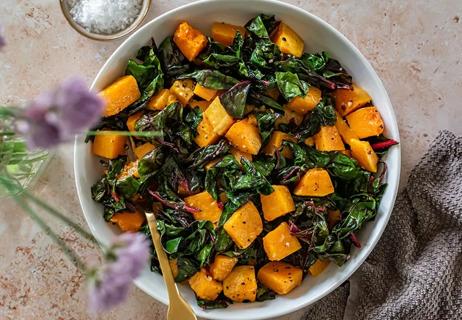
(415,271)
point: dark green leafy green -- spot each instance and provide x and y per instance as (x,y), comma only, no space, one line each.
(234,100)
(322,115)
(148,73)
(211,79)
(289,85)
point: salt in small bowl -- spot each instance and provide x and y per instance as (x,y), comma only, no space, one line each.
(66,9)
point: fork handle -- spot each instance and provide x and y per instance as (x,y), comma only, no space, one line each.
(163,259)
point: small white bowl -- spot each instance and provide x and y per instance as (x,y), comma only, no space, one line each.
(318,36)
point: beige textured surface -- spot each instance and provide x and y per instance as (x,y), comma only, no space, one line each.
(415,46)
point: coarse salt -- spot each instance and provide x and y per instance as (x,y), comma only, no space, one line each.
(105,16)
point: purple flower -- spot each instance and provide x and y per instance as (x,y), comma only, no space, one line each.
(126,259)
(57,116)
(2,38)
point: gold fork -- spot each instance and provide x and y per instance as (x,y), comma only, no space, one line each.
(178,308)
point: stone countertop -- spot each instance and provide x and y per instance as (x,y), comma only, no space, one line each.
(414,45)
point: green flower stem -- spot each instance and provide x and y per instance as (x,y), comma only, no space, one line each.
(145,134)
(79,264)
(60,216)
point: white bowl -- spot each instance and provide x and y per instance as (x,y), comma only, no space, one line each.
(318,36)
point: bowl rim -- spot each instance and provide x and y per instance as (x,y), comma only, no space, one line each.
(373,238)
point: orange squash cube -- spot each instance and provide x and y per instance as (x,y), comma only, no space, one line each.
(289,117)
(205,135)
(275,143)
(309,141)
(344,130)
(201,104)
(204,286)
(303,105)
(318,267)
(288,40)
(220,120)
(280,277)
(366,122)
(364,154)
(143,150)
(328,139)
(225,33)
(205,93)
(183,90)
(238,154)
(245,137)
(280,243)
(120,95)
(245,225)
(209,209)
(128,221)
(222,266)
(161,99)
(347,100)
(241,284)
(131,121)
(277,204)
(333,217)
(109,146)
(315,182)
(189,40)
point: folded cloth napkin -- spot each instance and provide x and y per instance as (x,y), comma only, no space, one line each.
(415,271)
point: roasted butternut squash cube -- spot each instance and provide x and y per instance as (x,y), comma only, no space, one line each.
(225,33)
(205,135)
(318,267)
(109,146)
(333,217)
(161,99)
(303,105)
(238,154)
(280,243)
(131,121)
(364,154)
(120,95)
(366,122)
(183,90)
(128,221)
(204,286)
(344,130)
(315,182)
(277,204)
(288,40)
(309,141)
(275,143)
(289,117)
(280,277)
(201,104)
(245,137)
(209,209)
(220,120)
(244,226)
(347,100)
(241,284)
(143,150)
(189,40)
(222,267)
(328,139)
(205,93)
